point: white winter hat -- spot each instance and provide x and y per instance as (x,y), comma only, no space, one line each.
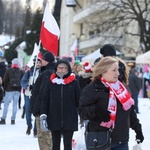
(87,67)
(15,61)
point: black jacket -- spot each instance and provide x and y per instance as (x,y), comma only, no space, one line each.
(95,93)
(7,77)
(134,84)
(39,87)
(60,104)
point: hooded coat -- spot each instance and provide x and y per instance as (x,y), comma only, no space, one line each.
(60,103)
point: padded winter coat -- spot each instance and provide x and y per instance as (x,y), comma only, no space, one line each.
(95,93)
(60,103)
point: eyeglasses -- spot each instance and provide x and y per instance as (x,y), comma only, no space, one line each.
(62,68)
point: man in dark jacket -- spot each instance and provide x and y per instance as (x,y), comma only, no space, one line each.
(48,65)
(135,86)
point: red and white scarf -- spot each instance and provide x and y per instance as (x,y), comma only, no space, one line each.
(116,90)
(64,81)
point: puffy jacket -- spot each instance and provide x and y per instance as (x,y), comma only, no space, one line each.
(60,103)
(95,93)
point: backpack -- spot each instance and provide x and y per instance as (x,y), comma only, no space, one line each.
(15,77)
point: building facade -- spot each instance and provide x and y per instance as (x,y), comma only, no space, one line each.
(84,22)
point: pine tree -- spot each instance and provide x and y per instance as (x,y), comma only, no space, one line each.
(33,36)
(1,16)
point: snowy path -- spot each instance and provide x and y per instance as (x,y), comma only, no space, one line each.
(13,137)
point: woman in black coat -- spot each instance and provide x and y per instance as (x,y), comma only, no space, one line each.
(59,106)
(107,104)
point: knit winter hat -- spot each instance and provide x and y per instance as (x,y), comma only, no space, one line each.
(77,62)
(15,61)
(87,67)
(49,56)
(108,50)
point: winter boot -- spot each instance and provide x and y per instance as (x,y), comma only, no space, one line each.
(12,122)
(28,132)
(2,121)
(23,113)
(35,133)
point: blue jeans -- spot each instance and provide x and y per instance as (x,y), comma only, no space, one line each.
(122,146)
(28,112)
(14,96)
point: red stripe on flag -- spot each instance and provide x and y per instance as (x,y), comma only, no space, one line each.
(40,56)
(49,40)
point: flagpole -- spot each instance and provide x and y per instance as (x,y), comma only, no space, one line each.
(36,62)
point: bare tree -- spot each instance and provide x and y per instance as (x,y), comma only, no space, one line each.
(14,16)
(120,14)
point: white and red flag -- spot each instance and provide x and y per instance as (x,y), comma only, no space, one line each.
(50,32)
(37,53)
(74,47)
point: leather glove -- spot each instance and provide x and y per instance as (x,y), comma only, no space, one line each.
(102,114)
(139,137)
(31,87)
(43,123)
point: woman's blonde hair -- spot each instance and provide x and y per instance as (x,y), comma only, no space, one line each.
(74,68)
(102,66)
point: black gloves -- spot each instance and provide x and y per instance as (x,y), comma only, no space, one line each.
(102,114)
(139,137)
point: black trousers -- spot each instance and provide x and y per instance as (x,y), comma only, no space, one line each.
(67,139)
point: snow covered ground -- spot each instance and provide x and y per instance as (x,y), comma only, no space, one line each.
(13,137)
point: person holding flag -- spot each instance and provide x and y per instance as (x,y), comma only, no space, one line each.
(48,65)
(27,83)
(49,36)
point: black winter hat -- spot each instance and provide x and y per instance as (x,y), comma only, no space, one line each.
(97,60)
(108,50)
(49,56)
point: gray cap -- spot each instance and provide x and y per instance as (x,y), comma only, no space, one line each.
(15,61)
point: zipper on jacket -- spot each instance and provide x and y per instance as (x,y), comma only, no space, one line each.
(61,106)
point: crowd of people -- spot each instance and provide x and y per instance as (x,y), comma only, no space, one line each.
(56,94)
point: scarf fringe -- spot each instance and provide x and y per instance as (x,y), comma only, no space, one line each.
(109,124)
(128,104)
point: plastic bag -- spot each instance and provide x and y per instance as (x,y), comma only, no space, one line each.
(78,141)
(137,147)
